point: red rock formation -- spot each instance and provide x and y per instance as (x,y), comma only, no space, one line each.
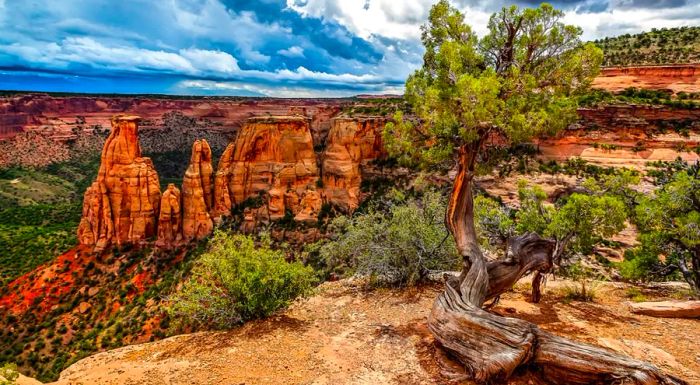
(676,78)
(170,218)
(272,156)
(627,135)
(351,142)
(197,193)
(121,206)
(58,115)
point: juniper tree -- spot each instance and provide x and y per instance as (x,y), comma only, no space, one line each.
(518,81)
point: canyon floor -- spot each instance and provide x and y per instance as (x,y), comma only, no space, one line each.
(345,335)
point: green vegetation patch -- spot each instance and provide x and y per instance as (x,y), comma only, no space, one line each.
(658,46)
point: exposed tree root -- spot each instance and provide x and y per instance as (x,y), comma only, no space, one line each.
(492,347)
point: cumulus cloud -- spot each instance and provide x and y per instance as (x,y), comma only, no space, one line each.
(298,47)
(293,51)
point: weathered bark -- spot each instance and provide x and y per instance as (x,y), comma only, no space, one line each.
(669,309)
(492,347)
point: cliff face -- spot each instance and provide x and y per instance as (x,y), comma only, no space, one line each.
(676,78)
(272,158)
(627,135)
(56,117)
(121,206)
(351,142)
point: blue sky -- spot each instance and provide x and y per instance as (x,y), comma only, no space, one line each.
(281,48)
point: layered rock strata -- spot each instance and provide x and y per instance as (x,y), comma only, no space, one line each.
(270,171)
(351,143)
(121,206)
(197,193)
(272,158)
(170,218)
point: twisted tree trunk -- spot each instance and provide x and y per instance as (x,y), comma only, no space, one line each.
(492,347)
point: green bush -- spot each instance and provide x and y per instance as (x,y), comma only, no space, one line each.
(395,247)
(235,281)
(8,374)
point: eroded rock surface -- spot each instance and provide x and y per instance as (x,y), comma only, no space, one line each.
(170,218)
(272,158)
(121,206)
(197,193)
(350,143)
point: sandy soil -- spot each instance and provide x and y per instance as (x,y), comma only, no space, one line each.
(343,335)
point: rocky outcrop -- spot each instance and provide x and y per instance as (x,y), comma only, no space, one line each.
(677,78)
(121,206)
(66,117)
(170,218)
(197,193)
(627,135)
(273,158)
(351,142)
(668,309)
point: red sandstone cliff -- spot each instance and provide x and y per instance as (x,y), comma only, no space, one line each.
(627,135)
(676,78)
(351,142)
(57,116)
(121,206)
(272,157)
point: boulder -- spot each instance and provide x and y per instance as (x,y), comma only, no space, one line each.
(668,309)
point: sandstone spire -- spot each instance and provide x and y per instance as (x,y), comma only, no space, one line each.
(121,206)
(197,193)
(170,218)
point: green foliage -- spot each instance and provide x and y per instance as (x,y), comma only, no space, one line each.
(578,222)
(521,85)
(8,374)
(235,281)
(39,211)
(658,46)
(396,247)
(494,221)
(669,224)
(586,291)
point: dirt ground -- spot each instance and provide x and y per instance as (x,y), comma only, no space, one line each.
(344,335)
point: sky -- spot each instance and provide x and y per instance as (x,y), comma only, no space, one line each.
(278,48)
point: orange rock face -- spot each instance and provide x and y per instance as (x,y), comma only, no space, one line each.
(351,142)
(197,193)
(271,157)
(677,78)
(121,206)
(170,218)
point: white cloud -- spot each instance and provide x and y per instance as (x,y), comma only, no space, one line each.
(280,91)
(85,50)
(292,52)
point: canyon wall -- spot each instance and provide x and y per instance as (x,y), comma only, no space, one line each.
(57,116)
(270,171)
(676,78)
(627,135)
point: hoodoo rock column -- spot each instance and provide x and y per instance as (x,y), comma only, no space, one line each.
(197,193)
(121,206)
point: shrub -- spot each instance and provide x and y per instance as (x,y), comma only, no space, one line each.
(396,247)
(235,281)
(8,374)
